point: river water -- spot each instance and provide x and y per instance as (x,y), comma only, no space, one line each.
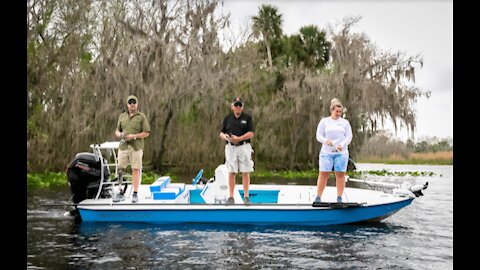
(419,236)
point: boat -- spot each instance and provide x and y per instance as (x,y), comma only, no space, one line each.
(93,181)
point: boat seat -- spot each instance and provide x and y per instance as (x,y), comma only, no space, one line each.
(159,184)
(162,189)
(217,191)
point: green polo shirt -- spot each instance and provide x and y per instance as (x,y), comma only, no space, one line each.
(133,125)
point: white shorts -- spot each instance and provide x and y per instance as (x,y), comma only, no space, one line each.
(239,158)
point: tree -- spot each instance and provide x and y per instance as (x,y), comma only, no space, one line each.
(309,47)
(85,57)
(268,24)
(373,86)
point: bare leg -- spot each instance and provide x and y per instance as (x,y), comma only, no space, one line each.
(245,183)
(231,184)
(340,182)
(135,179)
(322,182)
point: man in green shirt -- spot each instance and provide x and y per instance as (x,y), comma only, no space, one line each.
(132,128)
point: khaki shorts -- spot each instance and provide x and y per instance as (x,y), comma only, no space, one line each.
(135,158)
(239,158)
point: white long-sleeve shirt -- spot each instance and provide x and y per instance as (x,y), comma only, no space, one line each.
(338,131)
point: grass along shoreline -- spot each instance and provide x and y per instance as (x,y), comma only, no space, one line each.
(59,179)
(437,158)
(54,179)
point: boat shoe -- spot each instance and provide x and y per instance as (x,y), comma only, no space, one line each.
(118,197)
(246,200)
(230,200)
(134,198)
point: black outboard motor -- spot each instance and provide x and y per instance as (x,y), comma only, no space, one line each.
(83,174)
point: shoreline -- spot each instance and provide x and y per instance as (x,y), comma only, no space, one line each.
(59,179)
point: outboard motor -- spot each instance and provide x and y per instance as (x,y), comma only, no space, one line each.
(83,174)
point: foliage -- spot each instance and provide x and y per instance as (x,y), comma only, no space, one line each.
(373,86)
(45,180)
(268,24)
(381,145)
(52,179)
(309,48)
(85,57)
(381,148)
(439,160)
(401,173)
(59,179)
(426,146)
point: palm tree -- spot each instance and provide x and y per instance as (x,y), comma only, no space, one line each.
(316,47)
(268,24)
(309,47)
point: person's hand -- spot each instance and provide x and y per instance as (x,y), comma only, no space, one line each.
(226,137)
(329,142)
(234,139)
(122,137)
(339,148)
(130,137)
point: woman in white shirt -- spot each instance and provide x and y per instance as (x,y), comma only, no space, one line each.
(335,134)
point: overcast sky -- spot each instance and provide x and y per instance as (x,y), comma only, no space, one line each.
(413,27)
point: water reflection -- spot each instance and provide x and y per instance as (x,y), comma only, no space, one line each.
(199,245)
(92,228)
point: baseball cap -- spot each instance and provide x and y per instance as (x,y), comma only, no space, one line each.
(132,97)
(237,101)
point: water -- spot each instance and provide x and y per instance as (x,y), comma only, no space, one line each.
(419,236)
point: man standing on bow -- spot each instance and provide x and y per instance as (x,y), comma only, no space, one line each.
(132,128)
(237,130)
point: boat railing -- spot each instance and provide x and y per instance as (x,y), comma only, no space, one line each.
(111,149)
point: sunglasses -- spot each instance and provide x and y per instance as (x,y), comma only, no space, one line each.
(238,104)
(132,101)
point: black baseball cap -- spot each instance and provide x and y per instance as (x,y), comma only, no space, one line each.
(237,101)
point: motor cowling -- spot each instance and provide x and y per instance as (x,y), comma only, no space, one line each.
(84,175)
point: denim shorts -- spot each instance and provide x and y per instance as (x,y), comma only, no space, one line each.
(336,161)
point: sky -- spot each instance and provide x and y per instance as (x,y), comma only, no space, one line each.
(410,27)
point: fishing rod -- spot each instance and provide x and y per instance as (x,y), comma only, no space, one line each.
(59,204)
(394,188)
(390,187)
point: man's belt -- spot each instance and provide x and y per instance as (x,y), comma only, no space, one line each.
(239,143)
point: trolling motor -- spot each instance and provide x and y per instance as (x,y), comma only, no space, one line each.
(415,189)
(406,189)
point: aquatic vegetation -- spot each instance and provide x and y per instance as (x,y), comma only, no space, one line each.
(400,173)
(59,179)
